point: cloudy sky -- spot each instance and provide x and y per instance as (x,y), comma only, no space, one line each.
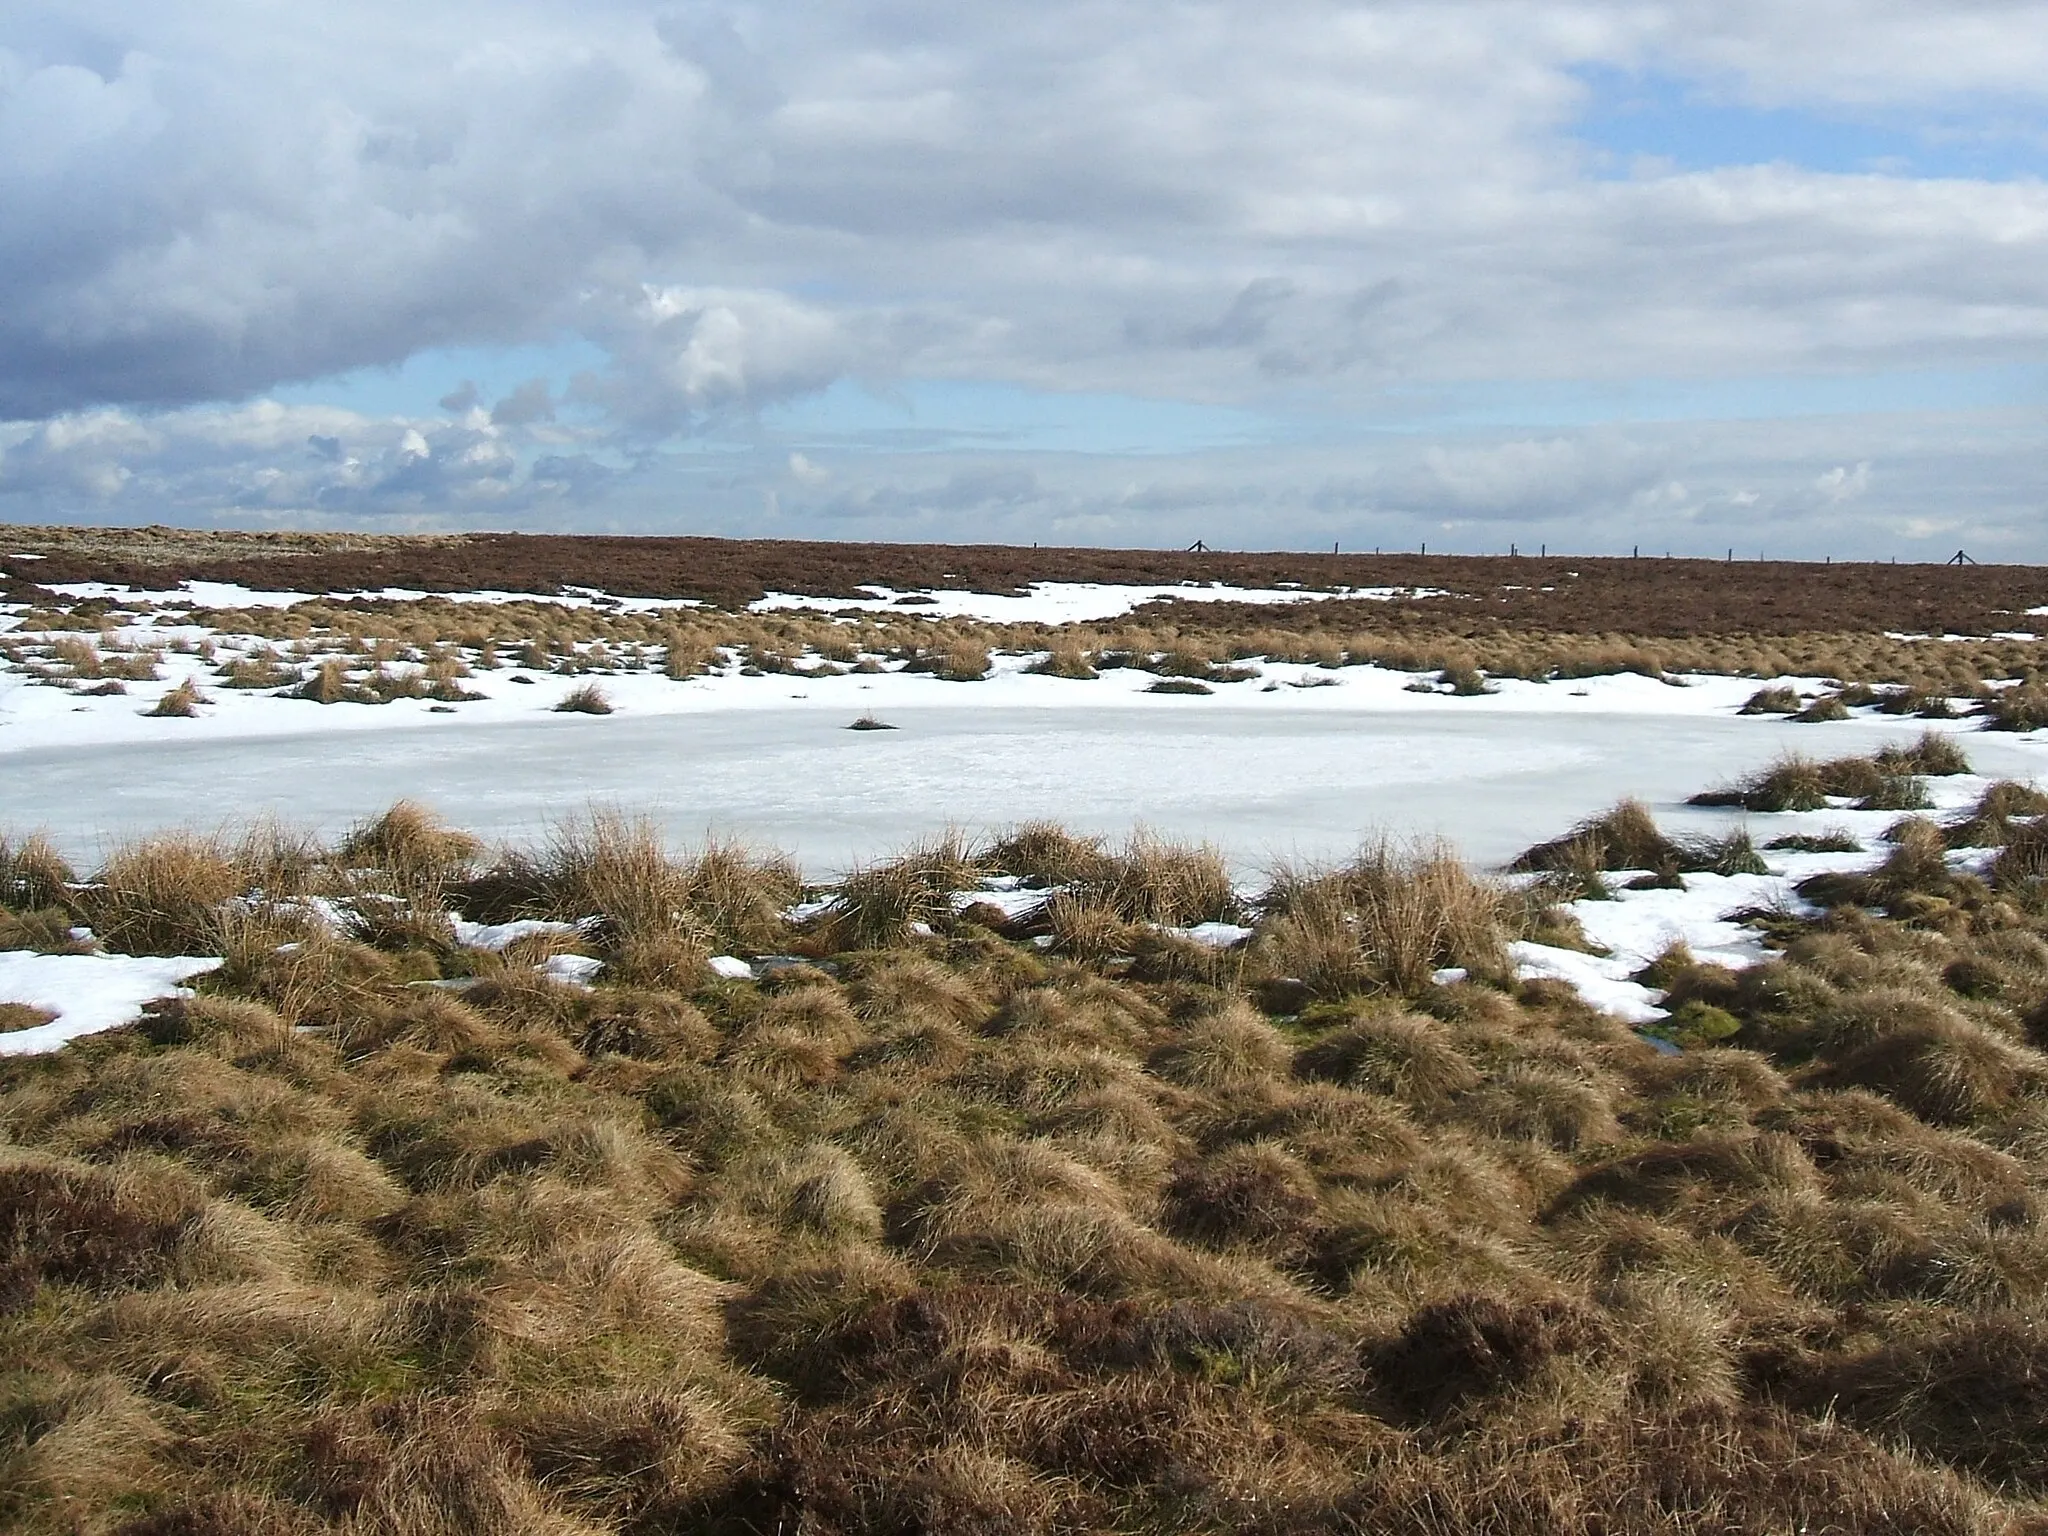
(1689,275)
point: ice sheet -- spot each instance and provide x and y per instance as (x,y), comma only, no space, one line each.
(1263,784)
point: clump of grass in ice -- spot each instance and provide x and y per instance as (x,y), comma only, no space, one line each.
(589,699)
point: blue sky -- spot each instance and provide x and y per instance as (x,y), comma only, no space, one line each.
(1628,272)
(1704,124)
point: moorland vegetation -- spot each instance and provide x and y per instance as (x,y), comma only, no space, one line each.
(955,1210)
(1580,594)
(375,650)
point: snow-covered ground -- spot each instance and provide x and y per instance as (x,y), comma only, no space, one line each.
(1293,763)
(88,993)
(1066,602)
(1638,926)
(34,716)
(228,595)
(1042,602)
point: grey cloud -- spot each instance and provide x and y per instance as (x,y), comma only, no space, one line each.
(1840,485)
(741,205)
(197,208)
(527,404)
(271,461)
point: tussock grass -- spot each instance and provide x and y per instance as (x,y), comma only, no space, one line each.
(1777,700)
(410,840)
(1991,822)
(879,905)
(1068,661)
(1628,837)
(1045,853)
(2017,709)
(1888,781)
(1934,755)
(953,1231)
(163,895)
(179,703)
(33,874)
(1387,921)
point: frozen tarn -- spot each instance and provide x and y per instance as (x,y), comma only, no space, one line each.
(1064,602)
(87,993)
(33,716)
(1265,785)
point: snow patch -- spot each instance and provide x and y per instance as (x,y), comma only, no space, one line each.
(495,936)
(1214,935)
(574,970)
(88,993)
(1602,981)
(1064,602)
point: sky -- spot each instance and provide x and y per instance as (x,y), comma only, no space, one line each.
(1713,278)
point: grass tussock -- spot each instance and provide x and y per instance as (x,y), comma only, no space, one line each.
(1628,837)
(179,703)
(1388,921)
(585,699)
(1889,781)
(936,1226)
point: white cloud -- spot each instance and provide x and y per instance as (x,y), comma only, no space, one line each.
(1293,206)
(1843,483)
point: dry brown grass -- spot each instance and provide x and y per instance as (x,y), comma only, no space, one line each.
(163,895)
(880,905)
(33,874)
(948,1232)
(1387,921)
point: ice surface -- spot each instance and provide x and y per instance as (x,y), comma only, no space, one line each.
(1261,783)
